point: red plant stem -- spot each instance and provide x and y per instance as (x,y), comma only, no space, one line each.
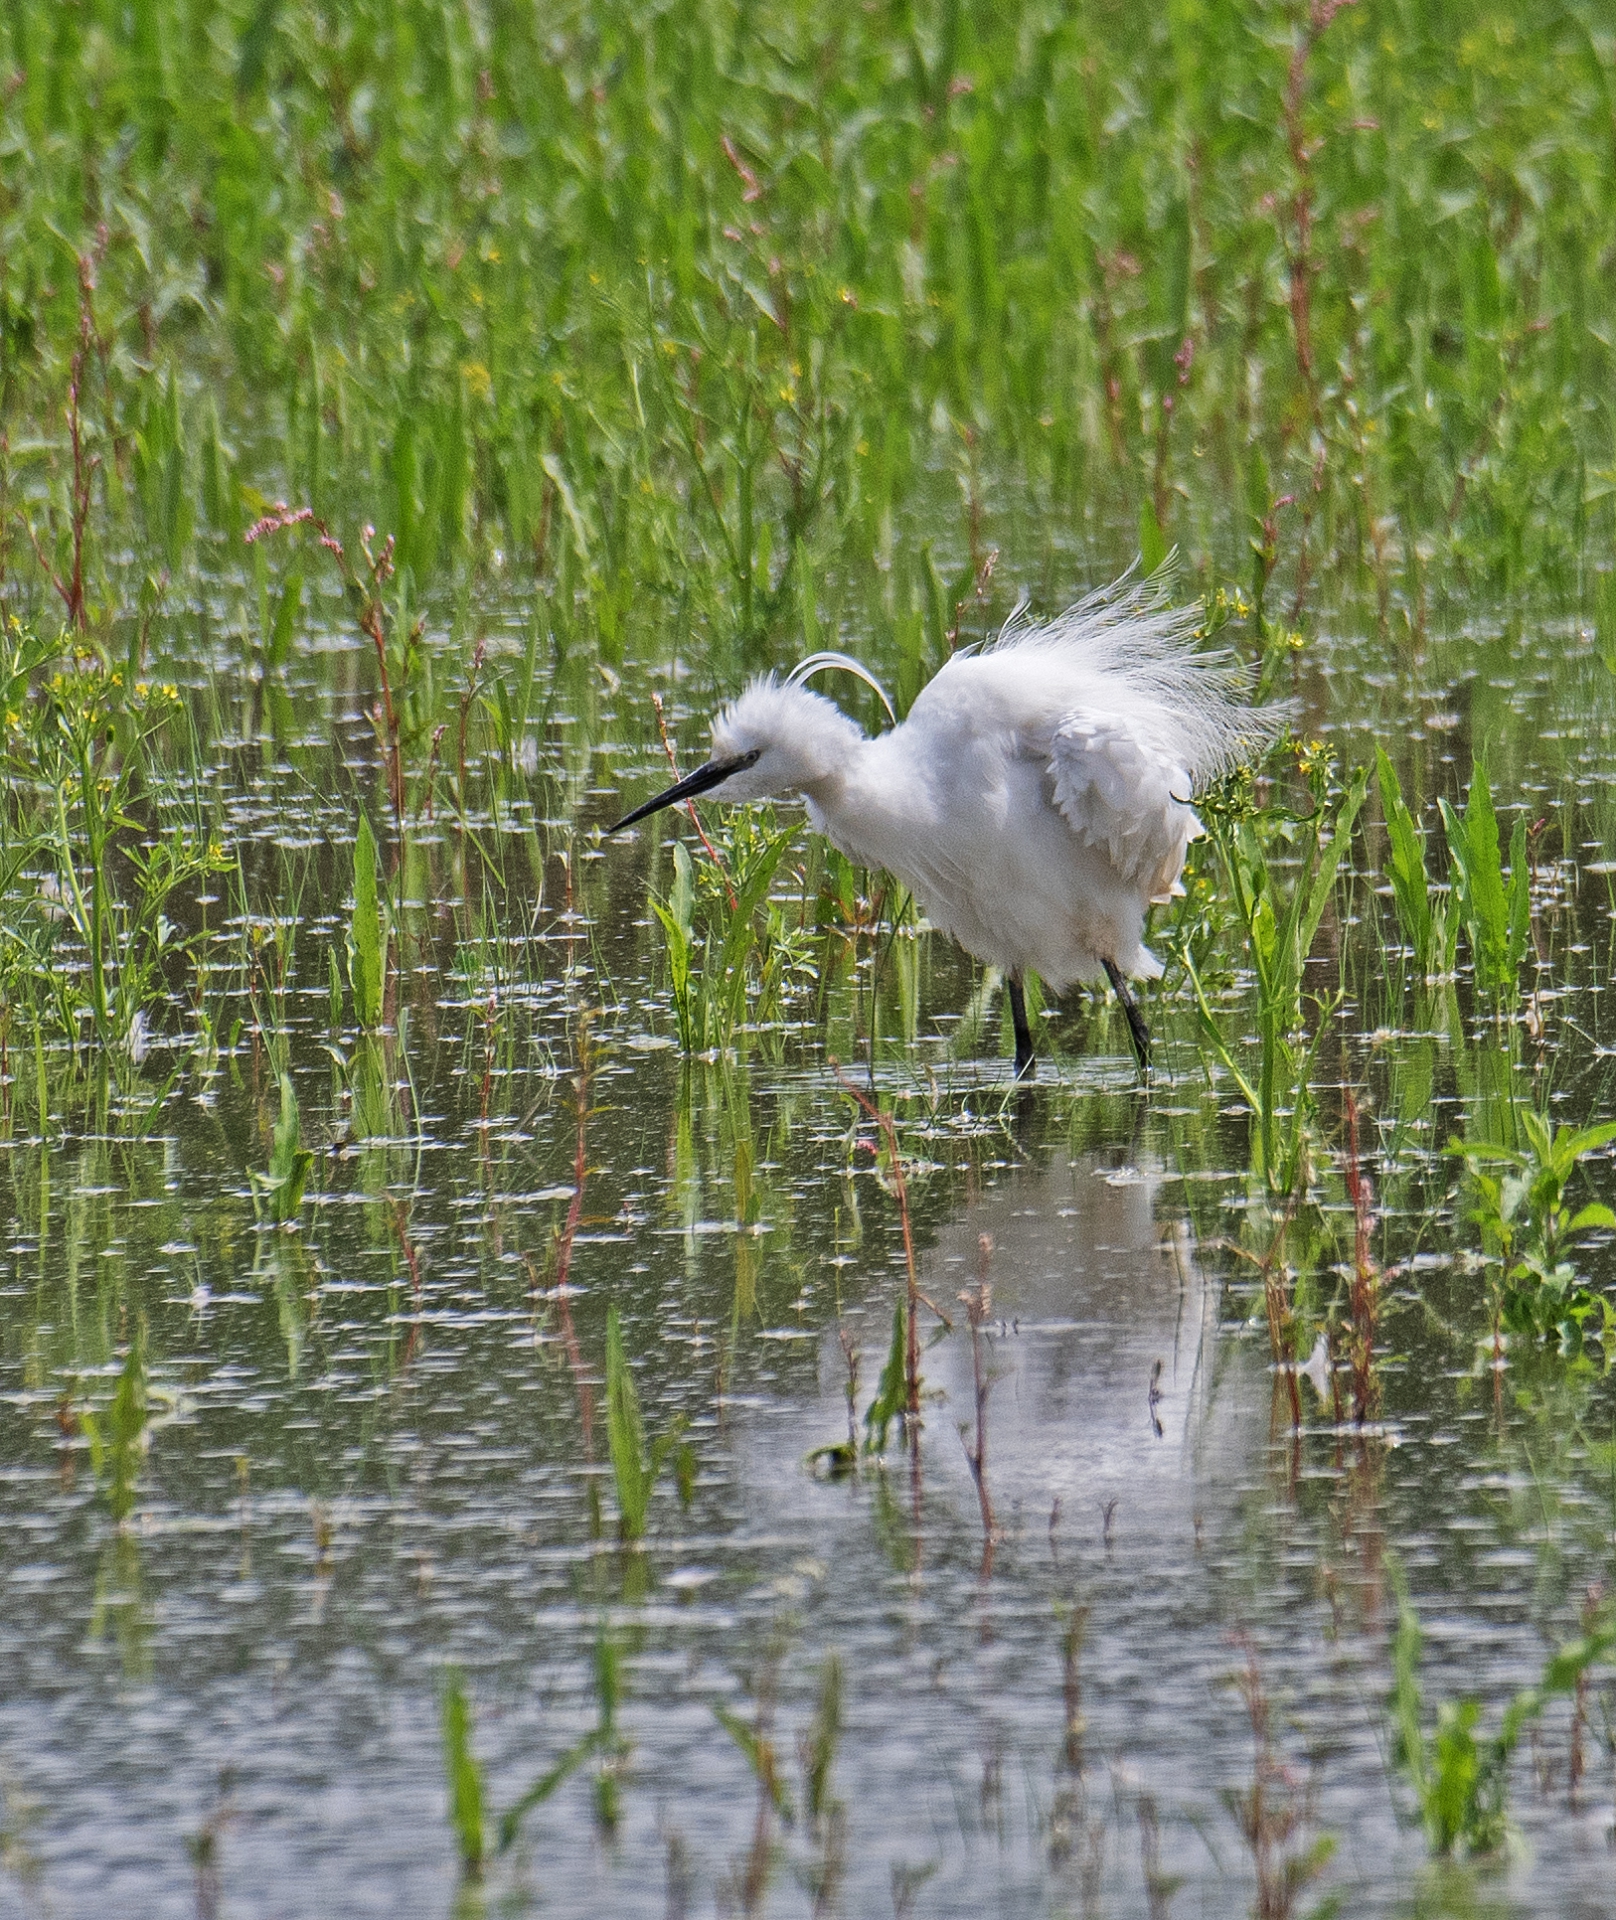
(477,658)
(1300,249)
(83,472)
(372,623)
(1365,1295)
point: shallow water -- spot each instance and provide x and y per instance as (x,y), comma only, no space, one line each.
(378,1445)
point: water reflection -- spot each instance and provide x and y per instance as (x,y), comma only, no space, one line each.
(1123,1437)
(1101,1343)
(388,1448)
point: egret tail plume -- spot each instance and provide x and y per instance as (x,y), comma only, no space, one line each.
(1131,634)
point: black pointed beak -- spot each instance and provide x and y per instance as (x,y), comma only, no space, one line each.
(701,781)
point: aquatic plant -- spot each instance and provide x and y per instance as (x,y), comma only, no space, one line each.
(1429,928)
(278,1193)
(820,1741)
(1274,1813)
(118,1437)
(1279,928)
(1458,1777)
(510,1821)
(1530,1231)
(78,734)
(978,1302)
(756,1744)
(891,1398)
(609,1742)
(1364,1287)
(468,1808)
(636,1467)
(398,660)
(367,933)
(822,343)
(905,1331)
(464,1773)
(720,931)
(1496,917)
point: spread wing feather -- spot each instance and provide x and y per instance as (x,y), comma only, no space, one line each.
(1123,795)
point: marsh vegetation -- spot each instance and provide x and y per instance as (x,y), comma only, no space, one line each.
(552,1372)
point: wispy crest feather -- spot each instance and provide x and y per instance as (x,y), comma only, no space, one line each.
(820,662)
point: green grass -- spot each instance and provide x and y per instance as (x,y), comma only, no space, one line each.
(686,311)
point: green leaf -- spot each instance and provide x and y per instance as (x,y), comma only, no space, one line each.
(820,1746)
(635,1468)
(1153,548)
(1486,909)
(279,1193)
(1586,1139)
(682,900)
(626,1436)
(117,1439)
(542,1788)
(465,1774)
(1520,899)
(367,938)
(759,1757)
(748,897)
(1410,882)
(286,612)
(1322,883)
(1592,1215)
(891,1392)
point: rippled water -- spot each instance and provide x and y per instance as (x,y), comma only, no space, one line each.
(378,1446)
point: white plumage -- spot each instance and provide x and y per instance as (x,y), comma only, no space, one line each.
(1037,798)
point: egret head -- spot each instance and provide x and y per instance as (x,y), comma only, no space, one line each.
(775,739)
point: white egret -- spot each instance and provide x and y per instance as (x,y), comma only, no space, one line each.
(1037,799)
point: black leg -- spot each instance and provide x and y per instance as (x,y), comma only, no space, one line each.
(1026,1065)
(1138,1032)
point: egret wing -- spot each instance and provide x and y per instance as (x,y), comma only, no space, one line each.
(1124,791)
